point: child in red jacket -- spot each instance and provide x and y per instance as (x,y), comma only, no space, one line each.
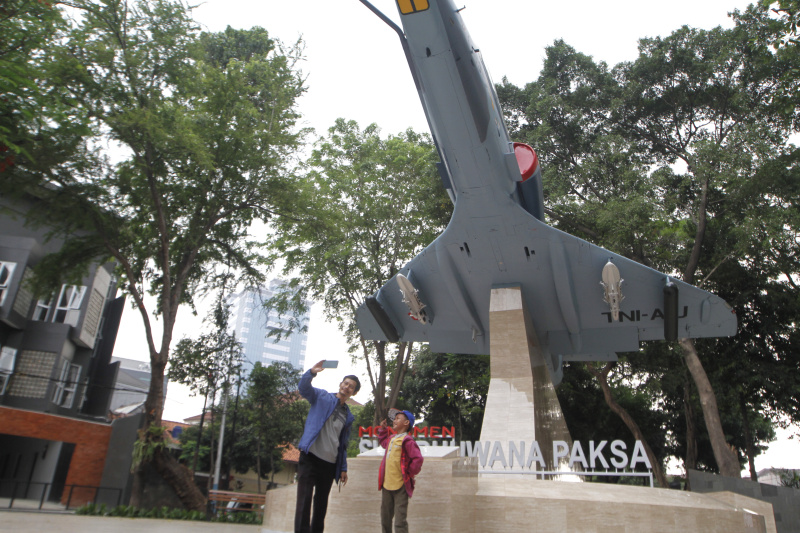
(402,461)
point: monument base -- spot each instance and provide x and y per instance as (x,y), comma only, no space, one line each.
(451,496)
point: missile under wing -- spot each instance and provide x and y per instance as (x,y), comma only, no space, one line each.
(586,302)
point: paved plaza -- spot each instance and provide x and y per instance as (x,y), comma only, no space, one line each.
(28,522)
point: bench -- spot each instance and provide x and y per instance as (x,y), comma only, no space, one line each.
(229,501)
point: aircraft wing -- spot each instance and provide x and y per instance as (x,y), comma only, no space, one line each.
(560,276)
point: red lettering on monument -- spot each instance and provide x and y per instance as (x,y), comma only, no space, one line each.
(433,432)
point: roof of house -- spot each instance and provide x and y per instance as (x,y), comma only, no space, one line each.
(173,431)
(291,454)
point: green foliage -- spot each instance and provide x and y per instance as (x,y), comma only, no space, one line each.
(590,419)
(149,442)
(129,511)
(238,517)
(790,478)
(211,359)
(266,416)
(272,415)
(367,205)
(449,390)
(39,127)
(148,143)
(181,140)
(788,12)
(364,415)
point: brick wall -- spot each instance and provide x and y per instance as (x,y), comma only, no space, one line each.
(90,439)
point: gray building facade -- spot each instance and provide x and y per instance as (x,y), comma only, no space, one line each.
(56,374)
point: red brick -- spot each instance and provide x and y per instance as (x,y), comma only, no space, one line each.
(90,439)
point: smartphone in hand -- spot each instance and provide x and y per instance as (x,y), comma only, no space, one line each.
(330,364)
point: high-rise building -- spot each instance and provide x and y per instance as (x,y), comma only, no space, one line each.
(253,322)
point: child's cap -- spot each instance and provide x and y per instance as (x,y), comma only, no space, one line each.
(410,418)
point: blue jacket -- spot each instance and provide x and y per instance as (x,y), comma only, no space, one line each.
(323,404)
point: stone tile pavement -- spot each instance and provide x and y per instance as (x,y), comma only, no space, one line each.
(28,522)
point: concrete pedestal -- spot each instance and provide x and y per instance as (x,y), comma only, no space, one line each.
(521,404)
(452,497)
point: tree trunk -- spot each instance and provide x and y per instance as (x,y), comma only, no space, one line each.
(137,489)
(211,455)
(748,439)
(233,429)
(602,379)
(181,479)
(271,470)
(258,463)
(200,433)
(401,366)
(379,391)
(690,461)
(727,461)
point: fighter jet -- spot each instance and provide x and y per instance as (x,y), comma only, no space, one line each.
(497,236)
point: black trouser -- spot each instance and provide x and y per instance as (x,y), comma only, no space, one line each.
(314,480)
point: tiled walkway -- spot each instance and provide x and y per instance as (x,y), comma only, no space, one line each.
(25,522)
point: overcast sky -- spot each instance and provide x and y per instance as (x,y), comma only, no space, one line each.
(355,69)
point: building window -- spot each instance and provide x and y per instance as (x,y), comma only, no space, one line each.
(59,309)
(64,394)
(42,309)
(245,330)
(6,270)
(70,299)
(277,347)
(7,358)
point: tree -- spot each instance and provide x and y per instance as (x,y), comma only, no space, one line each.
(273,416)
(701,99)
(366,207)
(449,390)
(785,42)
(601,374)
(630,414)
(202,130)
(207,363)
(656,159)
(40,128)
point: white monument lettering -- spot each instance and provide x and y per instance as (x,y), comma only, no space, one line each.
(597,453)
(618,448)
(577,455)
(560,450)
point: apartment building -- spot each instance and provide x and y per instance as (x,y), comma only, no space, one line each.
(56,374)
